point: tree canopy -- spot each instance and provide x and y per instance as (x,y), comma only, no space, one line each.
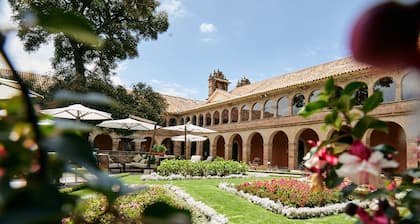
(120,24)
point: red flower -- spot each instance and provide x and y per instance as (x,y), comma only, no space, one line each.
(360,150)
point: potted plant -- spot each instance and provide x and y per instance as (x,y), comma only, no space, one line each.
(158,150)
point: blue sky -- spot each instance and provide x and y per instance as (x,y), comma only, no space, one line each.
(256,39)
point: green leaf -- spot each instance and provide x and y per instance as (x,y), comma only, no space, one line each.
(333,180)
(344,103)
(347,190)
(367,123)
(372,102)
(329,87)
(331,118)
(56,20)
(107,185)
(312,108)
(385,149)
(352,87)
(72,147)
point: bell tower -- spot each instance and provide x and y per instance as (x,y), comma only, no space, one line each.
(217,80)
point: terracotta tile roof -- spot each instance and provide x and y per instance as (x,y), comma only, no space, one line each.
(220,95)
(179,104)
(38,81)
(314,73)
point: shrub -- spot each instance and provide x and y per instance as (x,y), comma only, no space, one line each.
(290,192)
(202,168)
(159,148)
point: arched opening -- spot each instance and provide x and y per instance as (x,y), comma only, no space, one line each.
(280,150)
(269,109)
(314,95)
(410,86)
(216,117)
(182,121)
(187,119)
(237,148)
(208,119)
(103,142)
(225,116)
(387,86)
(257,149)
(234,113)
(172,122)
(361,95)
(303,145)
(256,111)
(298,102)
(194,120)
(206,149)
(245,113)
(169,144)
(396,138)
(220,147)
(201,120)
(283,107)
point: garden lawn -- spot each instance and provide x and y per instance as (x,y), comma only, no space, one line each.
(236,209)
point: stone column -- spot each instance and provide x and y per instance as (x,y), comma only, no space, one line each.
(199,150)
(228,151)
(246,153)
(213,146)
(115,143)
(398,91)
(293,154)
(177,148)
(267,154)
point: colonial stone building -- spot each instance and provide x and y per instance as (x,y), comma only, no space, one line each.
(259,122)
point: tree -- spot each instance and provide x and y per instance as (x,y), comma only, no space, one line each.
(120,24)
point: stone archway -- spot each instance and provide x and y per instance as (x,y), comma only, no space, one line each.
(169,144)
(103,142)
(303,145)
(280,150)
(237,148)
(257,149)
(220,147)
(395,137)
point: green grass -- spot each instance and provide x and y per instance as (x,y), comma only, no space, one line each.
(236,209)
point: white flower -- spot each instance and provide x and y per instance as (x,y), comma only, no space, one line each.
(362,171)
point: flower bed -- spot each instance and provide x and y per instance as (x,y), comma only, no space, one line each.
(288,211)
(201,168)
(129,208)
(156,176)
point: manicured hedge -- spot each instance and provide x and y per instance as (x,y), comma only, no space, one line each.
(202,168)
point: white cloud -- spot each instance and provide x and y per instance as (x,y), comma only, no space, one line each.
(207,28)
(38,61)
(174,8)
(116,80)
(173,89)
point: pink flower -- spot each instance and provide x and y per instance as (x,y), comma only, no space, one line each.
(360,150)
(321,158)
(363,166)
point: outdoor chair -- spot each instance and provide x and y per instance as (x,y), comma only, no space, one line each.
(210,158)
(106,163)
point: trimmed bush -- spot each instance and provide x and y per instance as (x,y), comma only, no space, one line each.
(202,168)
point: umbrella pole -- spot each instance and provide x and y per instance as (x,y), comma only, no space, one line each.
(185,141)
(153,139)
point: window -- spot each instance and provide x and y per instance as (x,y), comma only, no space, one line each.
(225,116)
(314,95)
(187,119)
(182,121)
(410,86)
(208,119)
(201,120)
(298,102)
(234,115)
(283,107)
(256,111)
(269,109)
(172,122)
(216,118)
(194,120)
(245,113)
(387,86)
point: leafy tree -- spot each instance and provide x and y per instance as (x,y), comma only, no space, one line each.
(120,24)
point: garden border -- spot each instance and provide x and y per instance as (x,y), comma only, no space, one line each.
(290,212)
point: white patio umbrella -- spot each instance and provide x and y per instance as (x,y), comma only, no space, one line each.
(190,138)
(78,112)
(10,88)
(127,124)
